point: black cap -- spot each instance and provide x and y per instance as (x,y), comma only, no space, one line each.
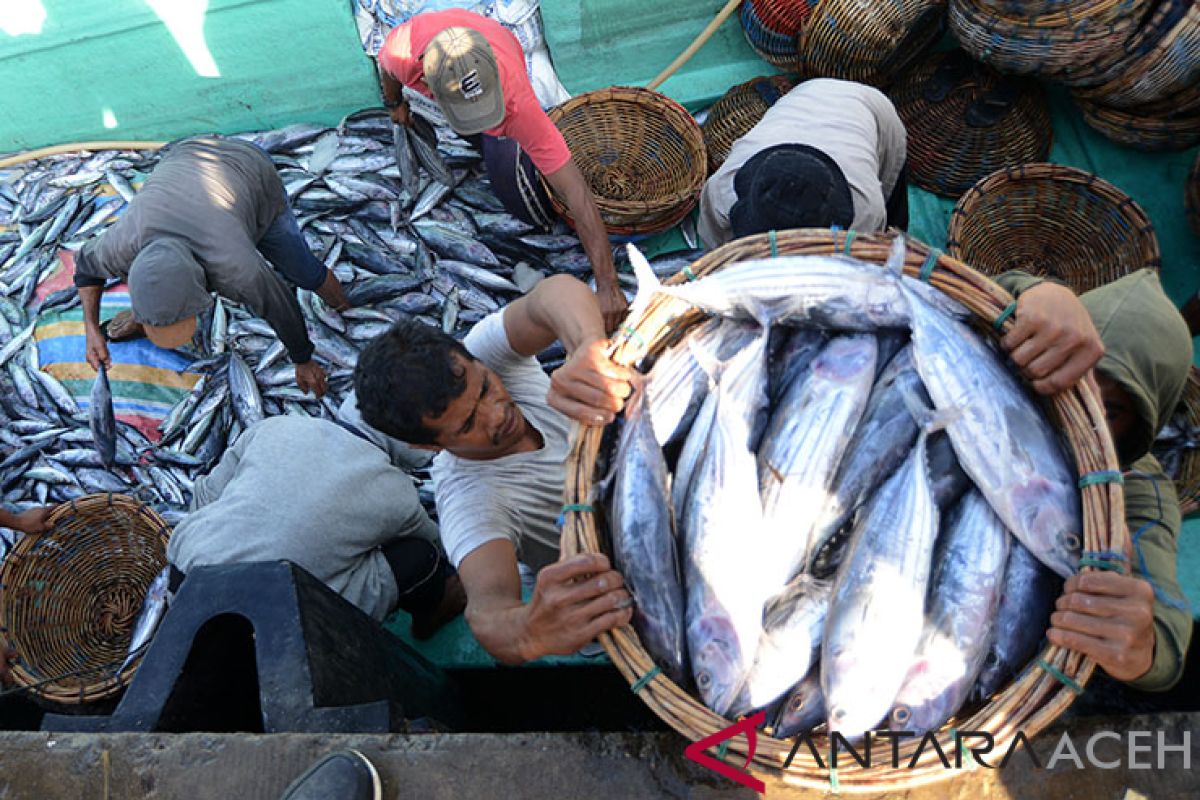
(790,186)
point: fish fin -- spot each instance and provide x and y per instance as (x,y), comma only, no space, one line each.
(895,259)
(928,418)
(648,283)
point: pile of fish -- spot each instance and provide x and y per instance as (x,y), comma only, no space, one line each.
(405,219)
(834,501)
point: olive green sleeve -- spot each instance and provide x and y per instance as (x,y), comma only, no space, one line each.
(1017,281)
(1152,513)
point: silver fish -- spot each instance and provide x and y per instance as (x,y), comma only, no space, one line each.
(154,606)
(876,613)
(803,708)
(1001,438)
(644,542)
(964,595)
(101,418)
(247,402)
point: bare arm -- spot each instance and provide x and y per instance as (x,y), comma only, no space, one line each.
(569,183)
(573,602)
(97,348)
(393,96)
(30,522)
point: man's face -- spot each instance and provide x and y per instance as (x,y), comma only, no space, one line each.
(483,422)
(1118,407)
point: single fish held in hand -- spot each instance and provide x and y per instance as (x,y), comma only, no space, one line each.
(101,418)
(644,542)
(1002,440)
(963,598)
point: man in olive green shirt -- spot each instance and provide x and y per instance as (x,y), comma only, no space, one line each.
(1136,626)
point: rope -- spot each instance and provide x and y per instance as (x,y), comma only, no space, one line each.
(641,682)
(833,781)
(1004,315)
(1104,476)
(1063,678)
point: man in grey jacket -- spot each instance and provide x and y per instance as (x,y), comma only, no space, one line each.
(199,225)
(324,497)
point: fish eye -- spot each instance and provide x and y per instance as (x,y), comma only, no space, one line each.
(901,715)
(703,679)
(992,658)
(1071,541)
(797,703)
(838,714)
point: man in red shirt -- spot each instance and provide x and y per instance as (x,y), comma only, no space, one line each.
(475,70)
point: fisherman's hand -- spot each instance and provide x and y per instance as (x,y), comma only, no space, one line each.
(1109,617)
(311,378)
(1053,339)
(97,350)
(574,601)
(400,114)
(590,387)
(33,521)
(613,305)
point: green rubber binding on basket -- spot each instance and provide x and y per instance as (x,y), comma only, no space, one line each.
(1104,564)
(645,679)
(1004,315)
(771,238)
(633,335)
(850,234)
(930,262)
(1105,476)
(1063,678)
(577,507)
(833,781)
(687,273)
(722,749)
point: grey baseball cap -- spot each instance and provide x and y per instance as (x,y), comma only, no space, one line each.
(460,70)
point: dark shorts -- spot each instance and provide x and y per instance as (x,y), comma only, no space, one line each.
(284,246)
(515,180)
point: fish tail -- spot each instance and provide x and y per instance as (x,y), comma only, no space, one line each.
(928,418)
(648,283)
(895,259)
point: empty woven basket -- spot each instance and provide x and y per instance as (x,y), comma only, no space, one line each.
(1141,130)
(949,149)
(739,110)
(1048,219)
(70,597)
(641,153)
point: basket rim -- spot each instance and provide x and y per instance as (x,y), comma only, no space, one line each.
(98,689)
(1031,702)
(1052,176)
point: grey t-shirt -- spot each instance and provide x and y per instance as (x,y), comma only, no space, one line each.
(308,491)
(855,125)
(517,497)
(219,196)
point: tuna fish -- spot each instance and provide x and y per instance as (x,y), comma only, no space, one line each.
(101,418)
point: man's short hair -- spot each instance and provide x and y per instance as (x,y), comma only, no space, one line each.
(406,375)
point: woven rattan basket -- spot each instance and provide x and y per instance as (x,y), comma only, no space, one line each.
(869,42)
(641,153)
(739,110)
(1052,220)
(69,598)
(1028,705)
(1140,131)
(1160,60)
(1192,196)
(1076,44)
(947,154)
(1187,484)
(773,27)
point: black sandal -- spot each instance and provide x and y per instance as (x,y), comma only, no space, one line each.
(129,337)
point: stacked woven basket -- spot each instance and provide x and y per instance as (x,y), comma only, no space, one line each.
(868,42)
(641,152)
(739,110)
(1028,705)
(70,597)
(1133,65)
(773,28)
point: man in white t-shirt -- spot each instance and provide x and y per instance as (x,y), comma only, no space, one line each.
(500,427)
(829,152)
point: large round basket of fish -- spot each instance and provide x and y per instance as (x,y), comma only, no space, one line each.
(80,601)
(842,519)
(641,153)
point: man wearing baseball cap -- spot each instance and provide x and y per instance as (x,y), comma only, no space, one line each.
(208,214)
(829,152)
(475,69)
